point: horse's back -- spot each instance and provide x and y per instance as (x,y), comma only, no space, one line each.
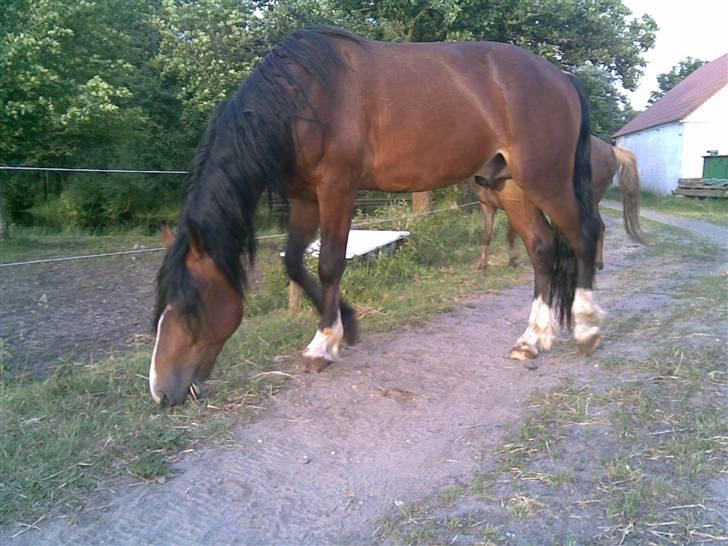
(432,114)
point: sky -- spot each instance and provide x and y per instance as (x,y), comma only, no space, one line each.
(695,28)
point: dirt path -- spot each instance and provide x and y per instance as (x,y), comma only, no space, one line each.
(77,311)
(401,416)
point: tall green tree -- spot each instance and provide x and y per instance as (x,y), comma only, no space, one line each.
(400,21)
(80,89)
(208,47)
(610,108)
(668,80)
(66,76)
(570,33)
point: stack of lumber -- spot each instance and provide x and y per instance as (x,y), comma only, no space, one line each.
(702,187)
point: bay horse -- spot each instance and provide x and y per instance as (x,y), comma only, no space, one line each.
(607,162)
(526,220)
(327,113)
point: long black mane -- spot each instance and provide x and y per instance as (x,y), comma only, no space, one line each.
(248,147)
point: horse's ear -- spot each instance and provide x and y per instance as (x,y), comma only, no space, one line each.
(194,236)
(168,235)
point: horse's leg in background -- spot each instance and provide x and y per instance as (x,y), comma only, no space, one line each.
(531,225)
(303,221)
(599,260)
(335,212)
(488,217)
(512,250)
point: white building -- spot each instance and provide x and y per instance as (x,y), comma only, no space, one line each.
(671,137)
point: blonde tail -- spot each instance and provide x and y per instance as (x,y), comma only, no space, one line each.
(629,182)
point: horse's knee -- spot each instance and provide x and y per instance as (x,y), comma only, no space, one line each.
(331,266)
(293,262)
(542,250)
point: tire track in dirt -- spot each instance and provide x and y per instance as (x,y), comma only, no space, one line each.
(401,416)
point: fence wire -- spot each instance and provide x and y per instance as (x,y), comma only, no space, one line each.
(260,238)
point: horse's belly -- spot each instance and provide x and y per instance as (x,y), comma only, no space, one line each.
(429,157)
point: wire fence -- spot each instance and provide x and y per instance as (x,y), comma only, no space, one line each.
(260,238)
(80,170)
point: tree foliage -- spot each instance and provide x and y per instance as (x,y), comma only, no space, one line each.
(570,33)
(66,73)
(89,83)
(668,80)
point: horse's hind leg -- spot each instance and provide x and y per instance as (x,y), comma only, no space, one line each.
(599,260)
(581,228)
(530,224)
(512,249)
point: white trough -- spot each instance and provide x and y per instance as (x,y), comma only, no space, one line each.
(362,242)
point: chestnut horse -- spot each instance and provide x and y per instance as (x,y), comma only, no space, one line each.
(607,162)
(327,113)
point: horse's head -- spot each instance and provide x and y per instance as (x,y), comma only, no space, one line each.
(189,340)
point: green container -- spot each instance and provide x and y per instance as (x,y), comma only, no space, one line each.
(715,167)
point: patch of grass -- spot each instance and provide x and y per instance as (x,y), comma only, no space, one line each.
(712,210)
(521,506)
(452,494)
(70,433)
(36,243)
(544,425)
(481,484)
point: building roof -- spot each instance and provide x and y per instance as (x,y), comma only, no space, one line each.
(682,99)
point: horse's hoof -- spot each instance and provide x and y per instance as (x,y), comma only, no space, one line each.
(513,262)
(313,365)
(600,265)
(482,266)
(523,352)
(588,346)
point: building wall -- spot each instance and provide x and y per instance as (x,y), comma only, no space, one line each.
(659,152)
(706,128)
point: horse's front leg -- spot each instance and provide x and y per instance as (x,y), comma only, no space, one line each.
(324,348)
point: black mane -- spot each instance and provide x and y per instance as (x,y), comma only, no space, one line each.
(248,148)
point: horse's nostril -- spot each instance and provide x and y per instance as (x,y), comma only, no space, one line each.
(163,400)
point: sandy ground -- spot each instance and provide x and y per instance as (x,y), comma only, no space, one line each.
(401,416)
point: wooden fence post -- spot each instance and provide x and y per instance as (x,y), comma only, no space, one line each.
(294,297)
(4,222)
(421,202)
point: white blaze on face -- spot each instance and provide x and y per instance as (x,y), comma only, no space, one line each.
(152,367)
(325,344)
(588,316)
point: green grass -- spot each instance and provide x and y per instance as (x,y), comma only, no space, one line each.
(712,210)
(35,243)
(70,433)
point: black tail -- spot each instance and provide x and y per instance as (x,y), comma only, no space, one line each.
(565,274)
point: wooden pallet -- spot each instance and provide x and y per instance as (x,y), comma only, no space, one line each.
(698,187)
